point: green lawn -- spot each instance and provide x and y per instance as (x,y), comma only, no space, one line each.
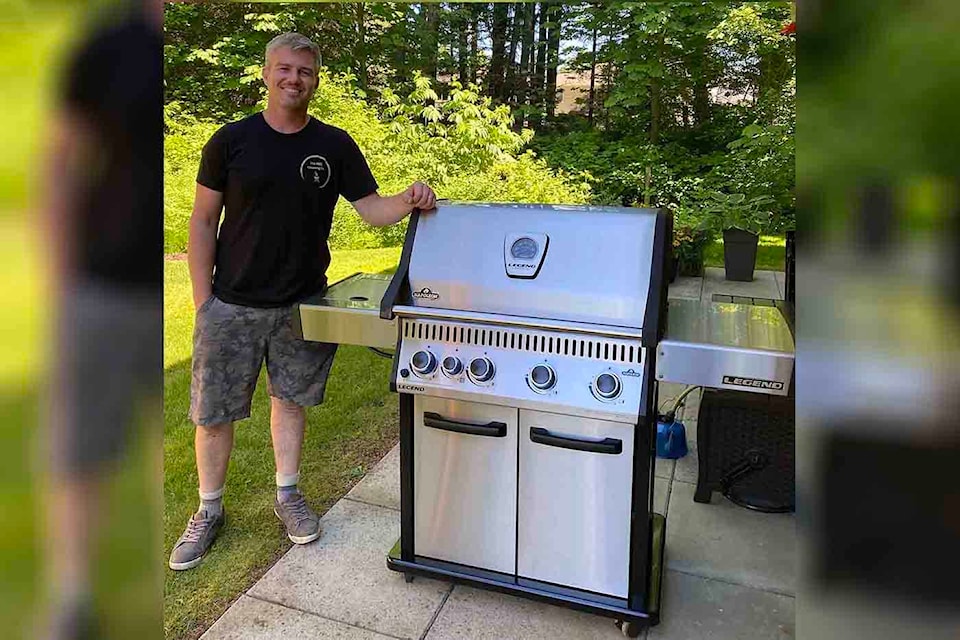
(770,253)
(350,432)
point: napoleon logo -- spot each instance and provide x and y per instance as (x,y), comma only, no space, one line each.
(631,373)
(315,170)
(756,383)
(426,294)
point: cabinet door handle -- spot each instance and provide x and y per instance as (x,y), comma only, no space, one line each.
(491,429)
(610,446)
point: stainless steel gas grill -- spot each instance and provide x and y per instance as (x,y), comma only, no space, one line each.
(527,340)
(525,366)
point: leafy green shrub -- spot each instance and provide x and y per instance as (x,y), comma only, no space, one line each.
(524,179)
(465,132)
(627,171)
(756,169)
(761,164)
(751,188)
(724,211)
(182,144)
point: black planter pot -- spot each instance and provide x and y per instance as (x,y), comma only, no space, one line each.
(739,254)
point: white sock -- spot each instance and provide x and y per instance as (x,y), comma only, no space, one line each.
(212,502)
(287,485)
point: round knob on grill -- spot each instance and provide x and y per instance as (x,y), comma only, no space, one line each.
(481,370)
(542,377)
(423,363)
(606,386)
(451,366)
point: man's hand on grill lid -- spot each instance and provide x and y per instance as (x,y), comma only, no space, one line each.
(421,196)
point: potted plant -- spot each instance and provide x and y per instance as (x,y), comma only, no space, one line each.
(740,220)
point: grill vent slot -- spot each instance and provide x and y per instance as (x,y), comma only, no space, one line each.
(625,351)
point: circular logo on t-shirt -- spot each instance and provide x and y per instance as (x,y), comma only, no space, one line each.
(316,171)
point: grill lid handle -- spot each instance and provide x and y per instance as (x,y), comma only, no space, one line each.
(398,291)
(491,429)
(610,446)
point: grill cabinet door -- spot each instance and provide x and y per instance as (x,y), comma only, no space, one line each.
(574,502)
(465,483)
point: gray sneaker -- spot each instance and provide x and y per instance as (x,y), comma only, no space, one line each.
(301,522)
(200,533)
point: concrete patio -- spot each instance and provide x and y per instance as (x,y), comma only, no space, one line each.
(730,571)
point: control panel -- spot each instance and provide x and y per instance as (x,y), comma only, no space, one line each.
(554,372)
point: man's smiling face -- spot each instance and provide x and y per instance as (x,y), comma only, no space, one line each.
(291,78)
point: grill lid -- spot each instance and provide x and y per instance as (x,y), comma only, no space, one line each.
(566,263)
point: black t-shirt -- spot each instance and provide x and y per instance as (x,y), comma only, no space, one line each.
(279,191)
(114,84)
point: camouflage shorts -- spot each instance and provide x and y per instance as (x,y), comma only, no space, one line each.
(230,343)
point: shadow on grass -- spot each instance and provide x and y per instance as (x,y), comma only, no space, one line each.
(346,436)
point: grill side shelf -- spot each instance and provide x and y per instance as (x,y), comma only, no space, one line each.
(297,313)
(347,313)
(727,346)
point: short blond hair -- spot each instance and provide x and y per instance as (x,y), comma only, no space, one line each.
(294,42)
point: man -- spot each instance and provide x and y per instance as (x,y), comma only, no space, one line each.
(278,175)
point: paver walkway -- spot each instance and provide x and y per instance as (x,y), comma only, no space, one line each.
(730,571)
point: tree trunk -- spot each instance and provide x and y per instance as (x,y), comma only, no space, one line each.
(526,56)
(701,103)
(510,82)
(555,14)
(498,51)
(656,100)
(654,110)
(432,13)
(593,73)
(701,92)
(361,47)
(461,24)
(474,31)
(774,72)
(539,75)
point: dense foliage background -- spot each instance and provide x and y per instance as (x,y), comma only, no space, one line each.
(687,105)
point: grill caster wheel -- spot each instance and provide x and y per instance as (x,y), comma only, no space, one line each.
(628,629)
(408,578)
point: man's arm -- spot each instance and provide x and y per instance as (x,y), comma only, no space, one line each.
(202,245)
(379,211)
